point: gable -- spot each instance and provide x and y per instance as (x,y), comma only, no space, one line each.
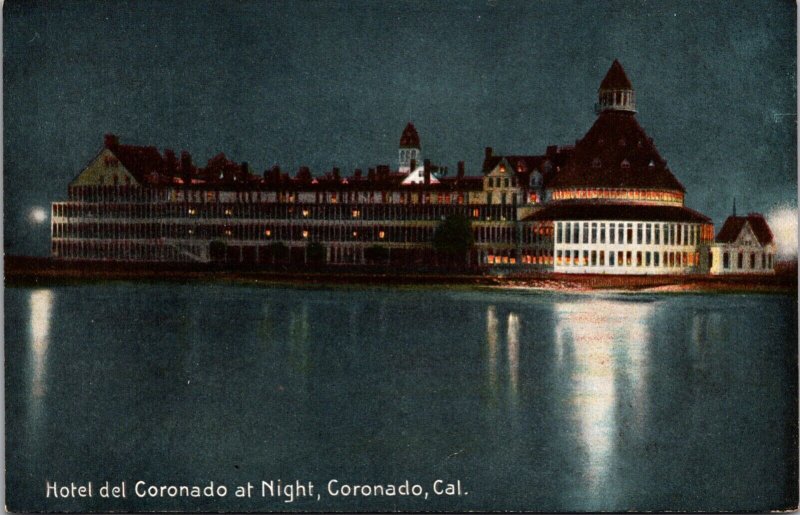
(746,236)
(104,170)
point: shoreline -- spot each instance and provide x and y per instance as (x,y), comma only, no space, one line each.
(21,271)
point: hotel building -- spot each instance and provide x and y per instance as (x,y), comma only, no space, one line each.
(608,204)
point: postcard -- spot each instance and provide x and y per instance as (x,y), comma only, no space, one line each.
(362,256)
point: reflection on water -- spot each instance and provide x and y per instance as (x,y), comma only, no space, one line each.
(509,370)
(40,303)
(602,348)
(550,402)
(513,355)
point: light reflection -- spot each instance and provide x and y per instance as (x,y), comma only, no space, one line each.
(503,374)
(608,344)
(513,354)
(492,341)
(41,302)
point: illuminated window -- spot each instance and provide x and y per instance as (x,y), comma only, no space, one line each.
(381,234)
(355,234)
(228,232)
(356,213)
(305,213)
(268,233)
(192,211)
(228,212)
(305,234)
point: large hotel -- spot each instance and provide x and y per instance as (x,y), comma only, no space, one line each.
(608,204)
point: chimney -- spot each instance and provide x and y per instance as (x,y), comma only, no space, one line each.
(488,152)
(460,170)
(427,170)
(111,140)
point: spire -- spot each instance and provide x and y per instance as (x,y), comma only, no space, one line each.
(616,91)
(409,138)
(409,151)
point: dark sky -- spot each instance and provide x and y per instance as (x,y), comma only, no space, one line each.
(329,84)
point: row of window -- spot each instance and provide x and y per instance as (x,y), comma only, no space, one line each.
(622,233)
(627,258)
(751,261)
(430,212)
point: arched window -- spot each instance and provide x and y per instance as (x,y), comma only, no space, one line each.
(625,164)
(596,163)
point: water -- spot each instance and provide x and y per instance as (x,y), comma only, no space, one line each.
(532,400)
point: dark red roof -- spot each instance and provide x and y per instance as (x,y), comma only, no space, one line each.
(734,224)
(615,153)
(139,161)
(617,211)
(410,138)
(616,78)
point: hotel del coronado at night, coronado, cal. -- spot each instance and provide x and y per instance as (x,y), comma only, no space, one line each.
(607,205)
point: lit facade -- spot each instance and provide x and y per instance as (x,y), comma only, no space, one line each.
(607,204)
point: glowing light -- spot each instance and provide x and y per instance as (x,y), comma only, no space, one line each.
(37,215)
(607,342)
(783,222)
(41,302)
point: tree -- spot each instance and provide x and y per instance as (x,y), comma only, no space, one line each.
(217,250)
(315,253)
(277,251)
(453,238)
(376,254)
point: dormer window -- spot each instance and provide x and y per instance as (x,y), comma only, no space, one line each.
(502,168)
(596,163)
(651,164)
(625,164)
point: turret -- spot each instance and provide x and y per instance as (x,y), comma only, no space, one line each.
(616,91)
(409,148)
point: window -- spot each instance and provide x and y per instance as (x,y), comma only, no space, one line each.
(639,239)
(558,233)
(740,260)
(610,258)
(639,258)
(575,230)
(596,163)
(612,233)
(594,258)
(620,259)
(658,234)
(752,260)
(574,257)
(646,259)
(594,233)
(656,255)
(602,258)
(585,258)
(558,257)
(602,233)
(629,234)
(764,260)
(628,258)
(726,260)
(620,235)
(647,233)
(585,232)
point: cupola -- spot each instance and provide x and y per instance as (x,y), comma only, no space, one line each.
(616,91)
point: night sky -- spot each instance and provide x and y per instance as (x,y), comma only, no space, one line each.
(328,84)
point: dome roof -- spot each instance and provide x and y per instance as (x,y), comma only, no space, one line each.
(410,138)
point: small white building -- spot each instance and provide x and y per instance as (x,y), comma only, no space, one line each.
(744,245)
